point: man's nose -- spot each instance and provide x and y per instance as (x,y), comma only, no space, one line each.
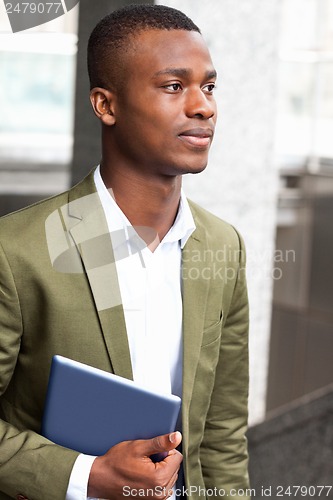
(200,105)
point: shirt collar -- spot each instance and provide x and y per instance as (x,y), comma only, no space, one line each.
(181,229)
(184,224)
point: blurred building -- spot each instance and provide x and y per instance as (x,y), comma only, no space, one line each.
(302,318)
(37,88)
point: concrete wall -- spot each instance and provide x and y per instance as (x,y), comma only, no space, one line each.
(294,447)
(240,184)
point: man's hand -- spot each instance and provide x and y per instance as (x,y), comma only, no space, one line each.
(127,466)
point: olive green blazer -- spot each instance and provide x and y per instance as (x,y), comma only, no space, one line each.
(52,301)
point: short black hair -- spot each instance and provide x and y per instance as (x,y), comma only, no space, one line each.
(112,34)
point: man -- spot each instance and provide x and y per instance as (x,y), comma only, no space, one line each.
(171,312)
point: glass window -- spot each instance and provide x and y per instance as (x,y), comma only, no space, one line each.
(37,81)
(305,111)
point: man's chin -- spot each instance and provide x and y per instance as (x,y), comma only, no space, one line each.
(188,168)
(195,169)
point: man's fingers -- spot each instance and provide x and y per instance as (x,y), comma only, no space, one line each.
(173,479)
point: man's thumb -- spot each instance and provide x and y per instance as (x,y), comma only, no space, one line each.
(163,443)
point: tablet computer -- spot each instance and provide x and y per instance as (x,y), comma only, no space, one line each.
(90,410)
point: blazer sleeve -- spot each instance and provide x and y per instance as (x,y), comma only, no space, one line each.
(223,452)
(29,463)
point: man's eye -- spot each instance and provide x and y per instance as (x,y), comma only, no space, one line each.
(210,87)
(173,86)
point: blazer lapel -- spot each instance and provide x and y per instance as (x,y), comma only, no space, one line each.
(195,291)
(85,221)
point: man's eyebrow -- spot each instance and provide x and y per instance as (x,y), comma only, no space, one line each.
(183,73)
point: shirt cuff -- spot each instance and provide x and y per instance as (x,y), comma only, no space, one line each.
(78,482)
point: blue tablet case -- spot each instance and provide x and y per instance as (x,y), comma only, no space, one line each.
(90,410)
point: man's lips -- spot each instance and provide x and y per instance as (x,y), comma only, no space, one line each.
(198,137)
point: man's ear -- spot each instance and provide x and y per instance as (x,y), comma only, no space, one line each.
(102,101)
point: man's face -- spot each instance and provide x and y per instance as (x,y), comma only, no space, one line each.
(165,113)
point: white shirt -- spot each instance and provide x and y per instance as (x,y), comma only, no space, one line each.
(150,287)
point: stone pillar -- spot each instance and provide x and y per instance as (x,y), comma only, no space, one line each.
(87,150)
(240,184)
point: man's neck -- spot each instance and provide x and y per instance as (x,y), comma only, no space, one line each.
(151,203)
